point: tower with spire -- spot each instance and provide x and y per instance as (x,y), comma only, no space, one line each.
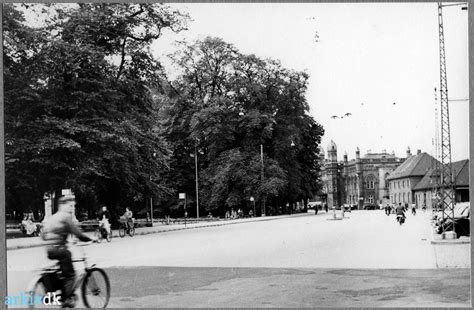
(332,172)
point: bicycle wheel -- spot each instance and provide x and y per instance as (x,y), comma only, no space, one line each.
(98,235)
(132,231)
(39,290)
(95,289)
(122,231)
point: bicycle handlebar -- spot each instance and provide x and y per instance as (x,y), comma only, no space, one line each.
(81,243)
(86,243)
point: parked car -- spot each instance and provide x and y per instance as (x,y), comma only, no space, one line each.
(461,220)
(461,210)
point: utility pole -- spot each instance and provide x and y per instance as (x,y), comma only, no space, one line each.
(446,182)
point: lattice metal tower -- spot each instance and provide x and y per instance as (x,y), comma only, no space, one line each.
(446,181)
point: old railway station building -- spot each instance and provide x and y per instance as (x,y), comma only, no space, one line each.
(379,178)
(360,182)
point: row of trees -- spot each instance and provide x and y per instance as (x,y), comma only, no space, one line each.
(88,107)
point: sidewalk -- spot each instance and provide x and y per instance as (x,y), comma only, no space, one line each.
(30,242)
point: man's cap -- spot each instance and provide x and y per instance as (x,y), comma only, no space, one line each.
(64,199)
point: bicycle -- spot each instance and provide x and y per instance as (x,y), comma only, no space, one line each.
(88,282)
(102,233)
(124,228)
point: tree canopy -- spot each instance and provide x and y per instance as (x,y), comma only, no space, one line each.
(229,104)
(88,107)
(82,95)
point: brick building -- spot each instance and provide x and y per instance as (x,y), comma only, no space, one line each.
(360,182)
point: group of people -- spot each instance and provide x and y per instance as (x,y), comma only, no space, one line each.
(236,214)
(28,226)
(400,209)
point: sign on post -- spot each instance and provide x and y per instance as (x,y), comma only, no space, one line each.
(182,195)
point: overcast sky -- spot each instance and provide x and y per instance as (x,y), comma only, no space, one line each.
(368,57)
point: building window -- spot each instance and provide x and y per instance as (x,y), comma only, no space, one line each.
(370,182)
(404,198)
(371,199)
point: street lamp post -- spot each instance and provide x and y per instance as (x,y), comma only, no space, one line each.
(151,206)
(261,157)
(197,186)
(151,197)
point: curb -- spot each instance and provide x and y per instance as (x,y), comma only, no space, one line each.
(137,233)
(447,241)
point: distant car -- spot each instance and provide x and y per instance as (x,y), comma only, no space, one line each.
(347,208)
(370,207)
(314,205)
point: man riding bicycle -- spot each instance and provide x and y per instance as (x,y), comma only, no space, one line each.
(400,210)
(104,220)
(56,231)
(128,219)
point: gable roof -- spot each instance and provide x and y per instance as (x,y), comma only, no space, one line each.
(413,166)
(460,171)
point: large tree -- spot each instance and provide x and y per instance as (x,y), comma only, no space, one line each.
(82,98)
(229,104)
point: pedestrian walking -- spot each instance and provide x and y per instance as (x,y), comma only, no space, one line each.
(387,209)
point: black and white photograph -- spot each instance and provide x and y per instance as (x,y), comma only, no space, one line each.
(236,155)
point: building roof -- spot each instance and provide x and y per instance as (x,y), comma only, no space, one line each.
(460,172)
(378,156)
(413,166)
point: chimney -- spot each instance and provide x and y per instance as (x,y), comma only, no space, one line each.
(418,152)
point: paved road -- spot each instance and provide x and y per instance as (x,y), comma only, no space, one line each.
(364,260)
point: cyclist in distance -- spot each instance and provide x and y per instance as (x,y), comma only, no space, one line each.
(400,211)
(56,231)
(104,219)
(128,219)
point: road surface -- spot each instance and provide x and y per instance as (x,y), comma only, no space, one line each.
(366,259)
